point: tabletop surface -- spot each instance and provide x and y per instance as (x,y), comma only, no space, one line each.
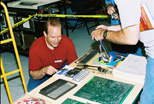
(73,94)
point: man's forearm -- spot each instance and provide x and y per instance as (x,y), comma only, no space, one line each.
(114,28)
(38,74)
(129,35)
(116,37)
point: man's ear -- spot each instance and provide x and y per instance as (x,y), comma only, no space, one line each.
(44,33)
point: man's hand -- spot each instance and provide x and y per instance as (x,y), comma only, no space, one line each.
(38,74)
(50,70)
(97,34)
(111,10)
(102,27)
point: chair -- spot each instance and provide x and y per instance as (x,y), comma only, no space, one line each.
(85,7)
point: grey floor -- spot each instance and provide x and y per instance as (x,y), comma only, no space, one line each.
(82,41)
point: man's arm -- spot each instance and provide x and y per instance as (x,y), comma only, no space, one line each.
(38,74)
(129,35)
(109,28)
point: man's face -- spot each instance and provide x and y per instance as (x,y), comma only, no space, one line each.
(54,36)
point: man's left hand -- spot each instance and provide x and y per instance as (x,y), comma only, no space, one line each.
(97,34)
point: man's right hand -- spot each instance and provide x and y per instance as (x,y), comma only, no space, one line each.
(102,27)
(50,70)
(38,74)
(111,10)
(97,34)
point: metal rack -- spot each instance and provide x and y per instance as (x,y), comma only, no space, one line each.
(12,39)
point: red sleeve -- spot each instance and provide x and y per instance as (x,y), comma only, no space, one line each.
(72,55)
(34,60)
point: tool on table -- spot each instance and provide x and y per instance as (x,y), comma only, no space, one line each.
(104,56)
(100,69)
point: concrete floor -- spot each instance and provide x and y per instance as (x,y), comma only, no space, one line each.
(82,42)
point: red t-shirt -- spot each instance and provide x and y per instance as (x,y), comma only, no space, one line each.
(41,56)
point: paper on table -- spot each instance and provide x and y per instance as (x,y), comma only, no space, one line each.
(132,68)
(133,64)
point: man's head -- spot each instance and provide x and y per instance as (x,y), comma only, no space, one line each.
(52,32)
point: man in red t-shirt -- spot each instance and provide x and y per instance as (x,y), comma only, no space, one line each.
(49,53)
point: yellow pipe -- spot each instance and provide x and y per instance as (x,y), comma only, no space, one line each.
(54,15)
(5,81)
(5,41)
(10,73)
(15,46)
(79,16)
(17,24)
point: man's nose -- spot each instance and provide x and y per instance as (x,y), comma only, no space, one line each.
(56,40)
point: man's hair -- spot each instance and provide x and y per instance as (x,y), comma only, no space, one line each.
(51,22)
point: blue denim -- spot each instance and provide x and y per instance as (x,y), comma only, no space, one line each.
(138,52)
(115,22)
(147,96)
(34,83)
(110,1)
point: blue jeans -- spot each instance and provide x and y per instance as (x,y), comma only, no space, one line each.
(147,96)
(137,50)
(34,83)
